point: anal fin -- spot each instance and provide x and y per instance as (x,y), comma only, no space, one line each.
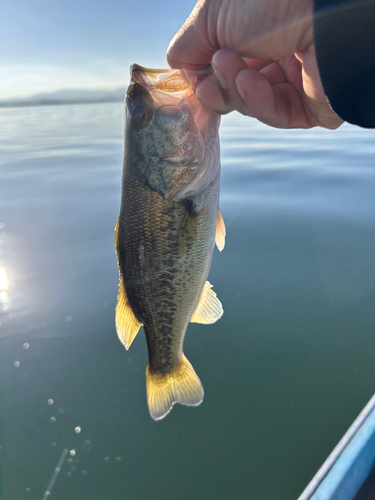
(209,308)
(127,325)
(220,231)
(182,386)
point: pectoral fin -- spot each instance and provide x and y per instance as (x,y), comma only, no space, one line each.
(127,325)
(220,231)
(209,308)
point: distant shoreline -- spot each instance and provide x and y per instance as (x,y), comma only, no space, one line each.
(23,104)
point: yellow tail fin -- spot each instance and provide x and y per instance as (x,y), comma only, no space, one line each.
(180,386)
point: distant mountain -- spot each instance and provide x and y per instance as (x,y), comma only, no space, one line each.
(69,96)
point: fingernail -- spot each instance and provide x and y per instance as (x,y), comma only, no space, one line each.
(240,90)
(220,77)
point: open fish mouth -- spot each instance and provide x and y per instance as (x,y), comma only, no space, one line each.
(173,92)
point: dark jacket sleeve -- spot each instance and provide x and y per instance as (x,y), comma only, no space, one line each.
(344,32)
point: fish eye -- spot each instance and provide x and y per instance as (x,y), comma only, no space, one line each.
(140,116)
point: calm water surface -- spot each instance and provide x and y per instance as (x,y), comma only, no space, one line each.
(285,371)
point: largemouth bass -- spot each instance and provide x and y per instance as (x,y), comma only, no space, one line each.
(168,224)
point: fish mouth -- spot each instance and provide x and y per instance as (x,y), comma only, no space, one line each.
(168,80)
(200,148)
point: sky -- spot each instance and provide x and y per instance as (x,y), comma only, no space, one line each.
(50,45)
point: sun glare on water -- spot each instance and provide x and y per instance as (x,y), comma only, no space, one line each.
(3,279)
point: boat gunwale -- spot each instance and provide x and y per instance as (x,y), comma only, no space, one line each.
(337,451)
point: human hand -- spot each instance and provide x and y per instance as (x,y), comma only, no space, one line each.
(263,56)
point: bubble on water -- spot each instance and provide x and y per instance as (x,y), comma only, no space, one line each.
(26,345)
(61,410)
(77,430)
(73,467)
(57,469)
(54,445)
(27,489)
(69,473)
(52,419)
(106,459)
(47,493)
(87,443)
(50,402)
(70,460)
(118,459)
(72,453)
(16,364)
(84,472)
(129,360)
(68,319)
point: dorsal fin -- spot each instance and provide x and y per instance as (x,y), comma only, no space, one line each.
(127,325)
(209,308)
(220,231)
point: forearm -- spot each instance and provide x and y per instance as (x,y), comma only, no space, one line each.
(344,32)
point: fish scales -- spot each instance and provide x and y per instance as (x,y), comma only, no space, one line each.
(165,241)
(163,284)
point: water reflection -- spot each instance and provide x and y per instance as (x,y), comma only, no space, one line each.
(298,207)
(3,279)
(4,284)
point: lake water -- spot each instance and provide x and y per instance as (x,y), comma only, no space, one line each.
(285,371)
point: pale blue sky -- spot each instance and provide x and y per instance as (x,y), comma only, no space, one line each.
(48,45)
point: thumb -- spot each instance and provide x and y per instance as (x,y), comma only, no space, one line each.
(244,26)
(192,47)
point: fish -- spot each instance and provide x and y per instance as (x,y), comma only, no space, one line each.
(167,227)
